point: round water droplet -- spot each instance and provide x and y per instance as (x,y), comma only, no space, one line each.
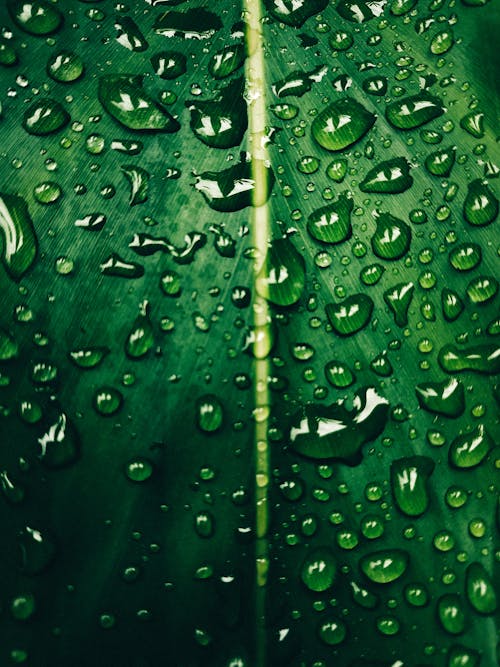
(139,469)
(65,67)
(332,632)
(480,589)
(37,17)
(45,116)
(107,401)
(341,124)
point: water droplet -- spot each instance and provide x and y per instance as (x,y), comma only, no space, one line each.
(371,274)
(226,61)
(107,401)
(470,449)
(388,177)
(65,67)
(138,179)
(443,398)
(392,237)
(37,17)
(124,98)
(465,256)
(398,298)
(319,569)
(442,42)
(440,163)
(294,14)
(222,121)
(37,550)
(88,357)
(480,589)
(139,469)
(482,289)
(23,607)
(332,223)
(334,431)
(414,111)
(196,23)
(129,34)
(233,189)
(341,124)
(282,276)
(351,315)
(141,338)
(59,444)
(480,205)
(409,483)
(332,632)
(45,116)
(459,655)
(339,375)
(209,413)
(384,567)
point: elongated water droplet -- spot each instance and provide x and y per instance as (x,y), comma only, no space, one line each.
(141,338)
(124,98)
(20,245)
(195,23)
(298,83)
(392,237)
(409,483)
(480,589)
(388,177)
(37,550)
(335,432)
(281,279)
(121,268)
(59,444)
(479,358)
(129,35)
(411,112)
(222,121)
(138,179)
(226,61)
(470,449)
(209,413)
(88,357)
(451,614)
(451,304)
(359,11)
(232,189)
(294,13)
(341,124)
(398,298)
(443,398)
(482,289)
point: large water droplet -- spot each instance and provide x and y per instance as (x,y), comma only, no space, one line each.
(480,589)
(281,279)
(336,432)
(411,112)
(222,121)
(351,315)
(45,116)
(443,398)
(450,614)
(409,483)
(37,17)
(480,205)
(470,449)
(332,223)
(19,240)
(383,567)
(392,237)
(318,570)
(479,358)
(124,98)
(341,124)
(388,177)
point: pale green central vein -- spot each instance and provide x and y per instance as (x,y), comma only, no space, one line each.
(256,96)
